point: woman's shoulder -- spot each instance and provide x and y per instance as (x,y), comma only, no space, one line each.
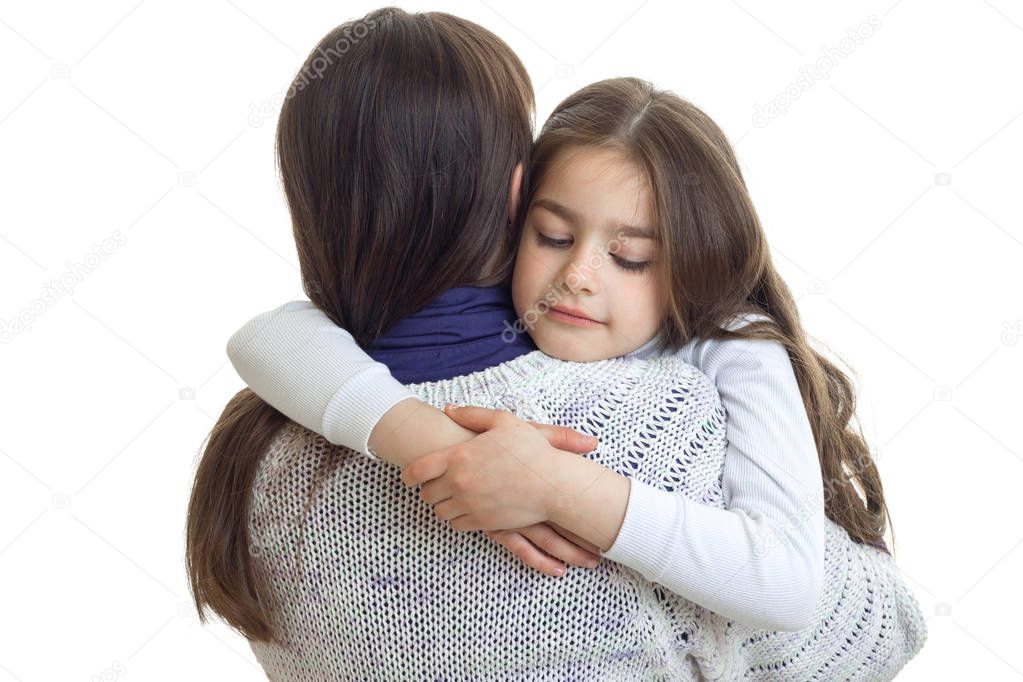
(676,370)
(294,453)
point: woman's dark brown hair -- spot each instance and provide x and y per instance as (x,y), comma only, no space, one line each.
(718,264)
(396,144)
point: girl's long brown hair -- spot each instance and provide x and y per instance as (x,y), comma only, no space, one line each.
(396,145)
(718,264)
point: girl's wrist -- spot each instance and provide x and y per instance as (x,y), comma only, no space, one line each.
(588,498)
(412,429)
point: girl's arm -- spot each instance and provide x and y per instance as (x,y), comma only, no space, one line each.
(296,359)
(302,364)
(760,561)
(312,371)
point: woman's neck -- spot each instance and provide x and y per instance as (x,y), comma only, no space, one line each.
(464,330)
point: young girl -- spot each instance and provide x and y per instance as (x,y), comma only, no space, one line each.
(639,238)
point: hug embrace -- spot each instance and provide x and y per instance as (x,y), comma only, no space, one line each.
(549,412)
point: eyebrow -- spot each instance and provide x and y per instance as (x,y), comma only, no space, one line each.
(565,213)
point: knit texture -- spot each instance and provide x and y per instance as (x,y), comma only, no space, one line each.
(313,371)
(867,626)
(366,582)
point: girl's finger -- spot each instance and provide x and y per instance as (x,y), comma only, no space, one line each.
(572,537)
(518,545)
(426,468)
(476,418)
(564,438)
(465,523)
(550,541)
(447,510)
(435,491)
(481,419)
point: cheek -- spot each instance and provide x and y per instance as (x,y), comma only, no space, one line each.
(520,297)
(523,281)
(530,265)
(657,306)
(639,303)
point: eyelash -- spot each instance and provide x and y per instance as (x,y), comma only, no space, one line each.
(628,265)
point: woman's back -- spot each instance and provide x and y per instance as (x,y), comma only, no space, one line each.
(385,590)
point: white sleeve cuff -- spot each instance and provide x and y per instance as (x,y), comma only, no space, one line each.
(375,391)
(652,526)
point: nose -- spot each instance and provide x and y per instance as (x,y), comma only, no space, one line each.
(581,272)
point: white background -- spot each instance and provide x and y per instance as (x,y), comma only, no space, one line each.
(889,192)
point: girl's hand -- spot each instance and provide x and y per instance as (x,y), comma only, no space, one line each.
(542,544)
(502,479)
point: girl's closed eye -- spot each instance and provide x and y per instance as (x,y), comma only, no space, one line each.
(554,243)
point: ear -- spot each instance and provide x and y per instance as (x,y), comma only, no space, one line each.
(514,192)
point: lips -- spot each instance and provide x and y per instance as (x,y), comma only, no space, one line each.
(575,312)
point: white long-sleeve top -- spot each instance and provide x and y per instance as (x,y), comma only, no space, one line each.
(759,561)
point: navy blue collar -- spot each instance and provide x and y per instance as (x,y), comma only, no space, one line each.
(464,330)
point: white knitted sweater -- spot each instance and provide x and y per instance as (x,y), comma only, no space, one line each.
(385,590)
(299,361)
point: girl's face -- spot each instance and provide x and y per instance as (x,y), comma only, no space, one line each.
(589,245)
